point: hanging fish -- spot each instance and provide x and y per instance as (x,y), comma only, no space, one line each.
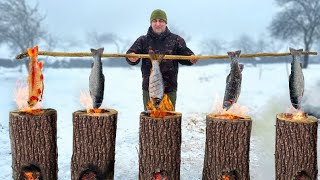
(296,79)
(35,77)
(96,79)
(233,83)
(156,86)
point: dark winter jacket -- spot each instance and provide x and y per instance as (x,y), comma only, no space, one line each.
(166,43)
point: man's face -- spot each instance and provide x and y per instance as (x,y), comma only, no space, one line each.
(158,26)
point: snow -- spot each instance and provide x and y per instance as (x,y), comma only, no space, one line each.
(264,92)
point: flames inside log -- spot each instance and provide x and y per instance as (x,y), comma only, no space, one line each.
(164,109)
(30,172)
(230,175)
(162,175)
(228,116)
(97,111)
(298,116)
(89,175)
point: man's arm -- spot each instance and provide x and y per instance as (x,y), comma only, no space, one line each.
(136,48)
(184,50)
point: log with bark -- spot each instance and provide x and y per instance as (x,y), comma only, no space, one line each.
(94,138)
(160,147)
(227,147)
(34,144)
(296,147)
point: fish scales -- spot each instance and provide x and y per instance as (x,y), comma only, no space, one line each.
(233,81)
(35,77)
(156,86)
(296,79)
(96,79)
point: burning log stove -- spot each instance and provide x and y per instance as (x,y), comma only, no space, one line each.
(227,147)
(160,146)
(94,136)
(33,138)
(296,146)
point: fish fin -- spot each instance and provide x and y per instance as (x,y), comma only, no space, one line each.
(40,64)
(227,79)
(241,66)
(100,51)
(42,90)
(92,64)
(93,52)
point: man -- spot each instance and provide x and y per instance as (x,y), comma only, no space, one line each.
(160,40)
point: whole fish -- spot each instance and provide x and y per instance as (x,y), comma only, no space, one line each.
(296,79)
(96,79)
(156,86)
(35,78)
(233,82)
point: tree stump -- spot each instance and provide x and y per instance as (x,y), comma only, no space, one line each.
(94,138)
(296,148)
(160,147)
(34,144)
(227,147)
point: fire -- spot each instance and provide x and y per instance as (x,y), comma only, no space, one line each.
(21,99)
(31,175)
(235,112)
(86,102)
(295,115)
(163,109)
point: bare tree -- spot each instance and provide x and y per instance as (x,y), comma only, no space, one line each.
(96,39)
(20,25)
(213,46)
(299,20)
(245,43)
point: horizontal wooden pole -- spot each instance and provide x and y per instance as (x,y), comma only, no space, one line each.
(172,57)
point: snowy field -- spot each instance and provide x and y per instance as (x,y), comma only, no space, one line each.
(264,92)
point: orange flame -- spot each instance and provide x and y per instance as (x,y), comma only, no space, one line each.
(21,98)
(86,102)
(163,109)
(235,112)
(225,177)
(31,175)
(295,115)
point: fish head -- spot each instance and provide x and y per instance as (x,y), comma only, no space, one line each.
(32,102)
(227,105)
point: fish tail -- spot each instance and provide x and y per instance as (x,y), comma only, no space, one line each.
(97,52)
(32,52)
(295,52)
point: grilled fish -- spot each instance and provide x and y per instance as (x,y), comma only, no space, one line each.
(296,79)
(35,78)
(96,79)
(156,86)
(233,82)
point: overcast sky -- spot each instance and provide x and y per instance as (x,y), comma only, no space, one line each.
(199,19)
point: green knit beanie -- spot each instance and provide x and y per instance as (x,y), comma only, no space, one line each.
(158,14)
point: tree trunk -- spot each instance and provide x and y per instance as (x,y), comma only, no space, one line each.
(305,61)
(160,147)
(94,138)
(296,148)
(227,148)
(34,144)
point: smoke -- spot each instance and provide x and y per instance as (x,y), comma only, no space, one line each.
(311,100)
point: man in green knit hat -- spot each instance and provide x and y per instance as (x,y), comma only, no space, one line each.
(160,40)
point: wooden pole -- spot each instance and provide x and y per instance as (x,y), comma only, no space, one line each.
(227,148)
(94,137)
(168,57)
(160,147)
(34,144)
(296,148)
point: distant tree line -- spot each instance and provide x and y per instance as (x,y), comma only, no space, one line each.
(298,22)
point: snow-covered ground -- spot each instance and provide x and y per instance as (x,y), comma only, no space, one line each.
(264,92)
